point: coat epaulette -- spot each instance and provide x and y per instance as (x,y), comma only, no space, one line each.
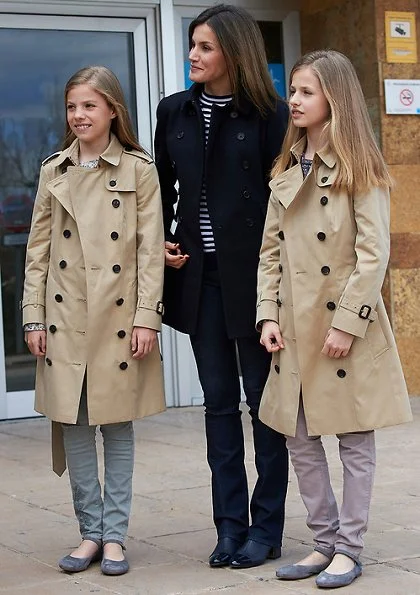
(141,154)
(50,157)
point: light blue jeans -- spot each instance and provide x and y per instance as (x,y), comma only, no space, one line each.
(102,520)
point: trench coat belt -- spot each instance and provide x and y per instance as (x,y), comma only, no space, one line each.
(57,445)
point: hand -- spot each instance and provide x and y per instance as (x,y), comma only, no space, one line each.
(173,256)
(271,337)
(36,342)
(143,341)
(337,343)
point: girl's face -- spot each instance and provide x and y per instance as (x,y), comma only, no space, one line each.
(207,62)
(309,107)
(89,116)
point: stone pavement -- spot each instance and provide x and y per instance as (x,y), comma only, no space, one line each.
(171,532)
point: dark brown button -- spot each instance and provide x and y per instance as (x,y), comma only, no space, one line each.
(123,365)
(321,236)
(66,233)
(325,270)
(246,194)
(278,303)
(112,183)
(180,134)
(280,268)
(277,369)
(119,301)
(58,297)
(240,136)
(249,222)
(121,334)
(115,203)
(331,306)
(324,200)
(324,179)
(48,361)
(116,268)
(62,264)
(114,235)
(341,373)
(246,164)
(53,328)
(281,235)
(234,114)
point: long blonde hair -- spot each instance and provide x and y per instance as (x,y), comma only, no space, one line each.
(348,132)
(104,82)
(243,48)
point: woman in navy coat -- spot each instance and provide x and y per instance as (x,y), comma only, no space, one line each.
(216,142)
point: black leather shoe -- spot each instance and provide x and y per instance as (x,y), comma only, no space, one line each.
(253,553)
(223,552)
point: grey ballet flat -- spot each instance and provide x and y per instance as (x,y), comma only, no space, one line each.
(295,572)
(325,580)
(114,567)
(71,564)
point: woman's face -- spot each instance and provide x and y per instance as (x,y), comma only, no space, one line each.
(207,62)
(309,107)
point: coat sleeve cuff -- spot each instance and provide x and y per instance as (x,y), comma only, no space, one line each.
(353,318)
(149,314)
(267,310)
(33,313)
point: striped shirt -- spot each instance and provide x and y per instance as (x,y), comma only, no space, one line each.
(206,105)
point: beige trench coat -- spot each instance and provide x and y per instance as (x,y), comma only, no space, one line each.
(322,264)
(94,269)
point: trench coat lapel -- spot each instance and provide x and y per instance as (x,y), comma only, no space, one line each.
(59,188)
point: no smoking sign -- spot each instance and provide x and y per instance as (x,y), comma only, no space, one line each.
(402,96)
(406,97)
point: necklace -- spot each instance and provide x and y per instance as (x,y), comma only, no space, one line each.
(90,164)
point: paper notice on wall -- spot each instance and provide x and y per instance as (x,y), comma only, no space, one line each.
(402,96)
(400,37)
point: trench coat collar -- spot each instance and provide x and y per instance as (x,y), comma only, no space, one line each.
(325,155)
(112,153)
(241,103)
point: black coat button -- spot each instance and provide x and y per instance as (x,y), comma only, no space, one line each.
(277,369)
(58,297)
(48,361)
(114,235)
(325,270)
(180,134)
(240,136)
(119,301)
(123,365)
(115,203)
(62,264)
(250,222)
(53,328)
(280,268)
(324,179)
(278,303)
(246,194)
(116,268)
(121,334)
(112,183)
(281,235)
(66,233)
(321,236)
(341,373)
(246,164)
(234,114)
(324,200)
(331,306)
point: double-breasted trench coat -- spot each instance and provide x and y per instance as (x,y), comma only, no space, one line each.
(322,264)
(94,269)
(236,166)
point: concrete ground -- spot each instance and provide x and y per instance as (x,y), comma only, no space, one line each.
(171,532)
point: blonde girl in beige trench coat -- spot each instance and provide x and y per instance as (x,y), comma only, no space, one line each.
(92,307)
(335,367)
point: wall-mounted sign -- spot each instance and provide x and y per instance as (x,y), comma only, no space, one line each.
(402,96)
(400,37)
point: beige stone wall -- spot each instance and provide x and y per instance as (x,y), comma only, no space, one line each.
(357,28)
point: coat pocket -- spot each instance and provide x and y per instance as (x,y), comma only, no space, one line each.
(376,339)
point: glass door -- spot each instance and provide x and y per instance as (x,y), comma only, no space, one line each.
(37,56)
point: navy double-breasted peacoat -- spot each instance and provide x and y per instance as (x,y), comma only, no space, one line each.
(236,164)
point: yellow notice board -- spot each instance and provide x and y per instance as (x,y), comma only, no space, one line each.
(400,37)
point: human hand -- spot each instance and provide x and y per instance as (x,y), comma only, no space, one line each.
(173,256)
(36,342)
(337,343)
(271,337)
(143,341)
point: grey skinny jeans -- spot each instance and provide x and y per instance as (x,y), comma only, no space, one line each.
(102,520)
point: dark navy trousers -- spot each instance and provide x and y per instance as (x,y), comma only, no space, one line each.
(216,358)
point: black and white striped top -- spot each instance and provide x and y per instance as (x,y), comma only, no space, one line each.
(206,105)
